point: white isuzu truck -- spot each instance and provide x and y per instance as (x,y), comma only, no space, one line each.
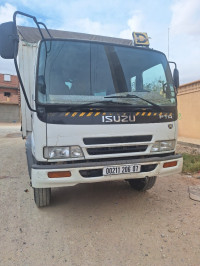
(94,108)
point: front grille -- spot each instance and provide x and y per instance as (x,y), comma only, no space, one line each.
(113,150)
(91,173)
(113,140)
(99,172)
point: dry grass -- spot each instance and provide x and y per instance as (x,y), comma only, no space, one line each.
(191,163)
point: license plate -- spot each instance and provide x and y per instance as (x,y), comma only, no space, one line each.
(122,169)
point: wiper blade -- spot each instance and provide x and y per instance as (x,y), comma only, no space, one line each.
(127,96)
(93,103)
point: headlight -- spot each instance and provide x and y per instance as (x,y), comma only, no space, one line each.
(76,152)
(62,152)
(166,145)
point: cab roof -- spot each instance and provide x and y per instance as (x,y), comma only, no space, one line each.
(32,35)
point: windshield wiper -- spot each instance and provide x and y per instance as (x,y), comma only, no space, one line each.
(127,96)
(99,102)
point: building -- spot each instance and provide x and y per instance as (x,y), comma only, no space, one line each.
(189,110)
(9,98)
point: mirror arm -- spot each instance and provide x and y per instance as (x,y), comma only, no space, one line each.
(22,85)
(15,56)
(171,62)
(41,23)
(35,20)
(29,16)
(16,40)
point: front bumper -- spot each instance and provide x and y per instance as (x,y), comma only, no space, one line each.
(40,179)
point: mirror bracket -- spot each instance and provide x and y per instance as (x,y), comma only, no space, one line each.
(9,49)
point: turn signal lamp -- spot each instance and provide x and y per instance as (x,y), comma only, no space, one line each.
(59,174)
(170,164)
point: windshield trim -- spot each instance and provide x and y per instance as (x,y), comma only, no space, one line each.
(37,102)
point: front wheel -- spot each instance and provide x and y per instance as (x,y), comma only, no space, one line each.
(42,196)
(142,184)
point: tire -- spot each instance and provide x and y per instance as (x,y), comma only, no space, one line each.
(142,184)
(42,196)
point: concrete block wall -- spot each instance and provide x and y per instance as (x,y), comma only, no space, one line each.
(9,98)
(189,110)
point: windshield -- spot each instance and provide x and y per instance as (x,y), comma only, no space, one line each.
(77,72)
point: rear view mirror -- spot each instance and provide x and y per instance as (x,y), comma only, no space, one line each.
(176,78)
(8,40)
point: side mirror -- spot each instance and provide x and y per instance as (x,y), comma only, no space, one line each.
(8,40)
(176,78)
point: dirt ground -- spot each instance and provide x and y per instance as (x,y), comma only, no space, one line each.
(180,148)
(94,224)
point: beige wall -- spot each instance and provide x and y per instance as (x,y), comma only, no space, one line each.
(189,110)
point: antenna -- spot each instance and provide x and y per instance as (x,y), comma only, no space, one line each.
(168,43)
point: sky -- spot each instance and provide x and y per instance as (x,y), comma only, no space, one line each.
(172,25)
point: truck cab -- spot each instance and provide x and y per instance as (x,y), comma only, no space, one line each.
(101,109)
